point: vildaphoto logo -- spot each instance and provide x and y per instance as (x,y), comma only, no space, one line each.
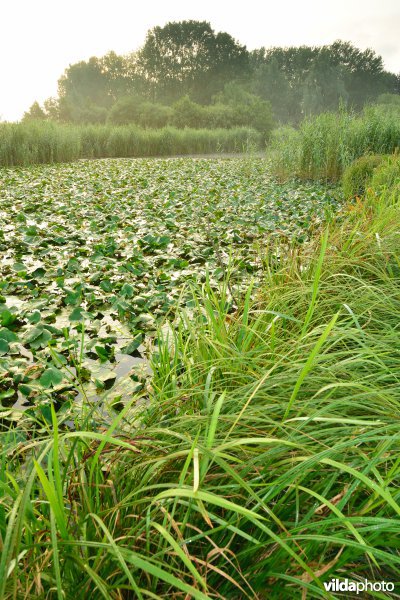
(346,585)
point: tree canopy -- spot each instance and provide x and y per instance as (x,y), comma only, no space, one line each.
(189,58)
(186,66)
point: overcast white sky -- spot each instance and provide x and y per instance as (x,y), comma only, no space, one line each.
(40,38)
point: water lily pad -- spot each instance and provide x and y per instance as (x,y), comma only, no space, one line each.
(9,336)
(19,267)
(132,347)
(7,318)
(37,337)
(51,377)
(4,347)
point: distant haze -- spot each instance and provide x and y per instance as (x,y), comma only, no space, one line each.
(40,39)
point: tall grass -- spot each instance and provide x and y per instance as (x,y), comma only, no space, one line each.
(132,141)
(267,461)
(324,145)
(37,142)
(43,142)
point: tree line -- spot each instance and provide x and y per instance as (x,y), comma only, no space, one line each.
(187,75)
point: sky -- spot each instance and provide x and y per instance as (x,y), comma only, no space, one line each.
(40,38)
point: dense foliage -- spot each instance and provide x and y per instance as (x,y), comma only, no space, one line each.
(240,109)
(189,58)
(310,80)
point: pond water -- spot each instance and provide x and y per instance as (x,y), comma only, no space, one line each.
(120,377)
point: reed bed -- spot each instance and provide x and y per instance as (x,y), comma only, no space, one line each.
(325,145)
(38,142)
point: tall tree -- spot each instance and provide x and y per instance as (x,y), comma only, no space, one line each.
(270,83)
(324,87)
(84,82)
(320,77)
(363,71)
(188,57)
(35,113)
(87,89)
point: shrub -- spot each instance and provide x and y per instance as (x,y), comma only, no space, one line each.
(248,109)
(220,116)
(387,175)
(358,175)
(187,113)
(154,115)
(91,114)
(125,110)
(256,113)
(241,109)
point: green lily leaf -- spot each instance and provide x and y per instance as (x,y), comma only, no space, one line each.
(9,336)
(4,347)
(51,377)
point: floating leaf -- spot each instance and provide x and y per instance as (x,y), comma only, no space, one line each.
(51,377)
(19,267)
(37,337)
(76,314)
(139,232)
(7,318)
(33,334)
(4,347)
(9,336)
(34,317)
(103,352)
(132,347)
(127,290)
